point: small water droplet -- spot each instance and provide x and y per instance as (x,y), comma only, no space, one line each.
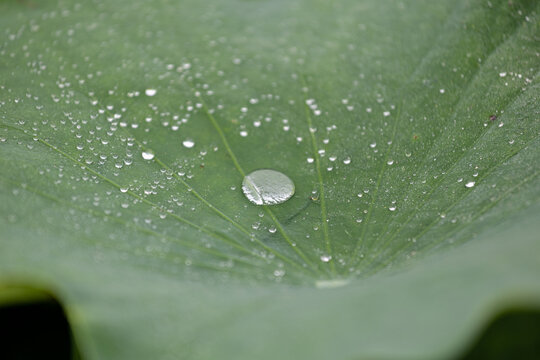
(272,229)
(347,161)
(150,92)
(148,155)
(267,187)
(188,143)
(279,273)
(325,258)
(392,208)
(470,184)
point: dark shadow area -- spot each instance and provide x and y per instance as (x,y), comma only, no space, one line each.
(35,330)
(512,335)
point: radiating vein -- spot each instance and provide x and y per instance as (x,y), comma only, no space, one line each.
(464,153)
(478,214)
(218,211)
(454,203)
(324,219)
(140,198)
(277,223)
(141,229)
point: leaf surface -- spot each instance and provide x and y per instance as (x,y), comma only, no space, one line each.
(410,131)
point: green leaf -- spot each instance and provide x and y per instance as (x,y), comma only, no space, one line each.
(410,131)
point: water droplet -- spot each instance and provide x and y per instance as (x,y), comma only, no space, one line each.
(272,229)
(188,143)
(470,184)
(279,273)
(243,133)
(347,161)
(392,208)
(326,258)
(150,92)
(148,155)
(267,187)
(390,162)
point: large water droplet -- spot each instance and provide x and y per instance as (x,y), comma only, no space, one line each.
(267,187)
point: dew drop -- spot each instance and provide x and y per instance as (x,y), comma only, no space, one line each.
(470,184)
(188,143)
(325,258)
(148,155)
(279,273)
(272,229)
(150,92)
(267,187)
